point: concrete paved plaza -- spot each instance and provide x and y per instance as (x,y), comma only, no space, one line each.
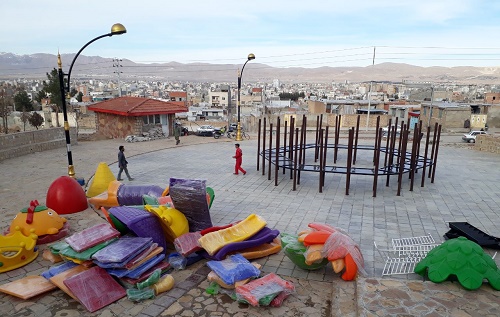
(466,188)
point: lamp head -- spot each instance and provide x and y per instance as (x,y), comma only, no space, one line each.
(118,29)
(251,56)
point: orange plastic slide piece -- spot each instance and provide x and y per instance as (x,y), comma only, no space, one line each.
(241,231)
(351,269)
(316,237)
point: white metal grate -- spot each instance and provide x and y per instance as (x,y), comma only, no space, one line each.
(403,242)
(405,255)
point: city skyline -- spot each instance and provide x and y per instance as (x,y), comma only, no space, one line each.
(281,34)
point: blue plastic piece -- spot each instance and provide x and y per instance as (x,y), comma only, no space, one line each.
(177,261)
(234,268)
(58,269)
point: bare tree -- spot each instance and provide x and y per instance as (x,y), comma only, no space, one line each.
(5,109)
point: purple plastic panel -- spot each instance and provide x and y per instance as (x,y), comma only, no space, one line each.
(265,235)
(92,236)
(190,197)
(132,194)
(142,223)
(95,288)
(121,251)
(163,266)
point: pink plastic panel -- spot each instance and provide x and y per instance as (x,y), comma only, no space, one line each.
(95,288)
(188,243)
(92,236)
(264,286)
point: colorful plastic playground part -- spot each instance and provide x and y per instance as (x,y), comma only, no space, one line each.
(40,218)
(95,288)
(265,235)
(66,196)
(190,197)
(107,198)
(59,279)
(187,243)
(262,250)
(100,182)
(234,268)
(243,230)
(27,287)
(123,250)
(213,277)
(17,250)
(92,236)
(462,258)
(141,222)
(295,251)
(270,285)
(173,222)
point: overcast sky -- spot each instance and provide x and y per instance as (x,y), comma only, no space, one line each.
(280,33)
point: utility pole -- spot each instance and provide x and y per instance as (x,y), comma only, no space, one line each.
(369,93)
(116,63)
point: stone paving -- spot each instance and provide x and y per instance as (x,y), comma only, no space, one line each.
(466,189)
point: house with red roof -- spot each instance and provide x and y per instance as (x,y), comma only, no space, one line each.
(124,116)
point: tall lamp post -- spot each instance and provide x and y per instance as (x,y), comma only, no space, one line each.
(238,129)
(116,29)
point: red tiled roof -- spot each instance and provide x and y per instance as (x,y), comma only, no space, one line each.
(177,94)
(137,106)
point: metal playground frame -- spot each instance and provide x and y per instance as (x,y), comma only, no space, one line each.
(395,158)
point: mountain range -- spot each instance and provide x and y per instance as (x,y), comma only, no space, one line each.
(35,66)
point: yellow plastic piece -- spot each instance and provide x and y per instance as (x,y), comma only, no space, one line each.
(108,198)
(17,250)
(44,222)
(213,277)
(100,182)
(173,222)
(241,231)
(164,285)
(338,265)
(313,254)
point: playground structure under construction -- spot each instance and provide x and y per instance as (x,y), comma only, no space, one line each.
(399,150)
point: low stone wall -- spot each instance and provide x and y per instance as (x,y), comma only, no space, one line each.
(488,143)
(22,143)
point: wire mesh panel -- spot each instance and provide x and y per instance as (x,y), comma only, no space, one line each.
(403,242)
(405,254)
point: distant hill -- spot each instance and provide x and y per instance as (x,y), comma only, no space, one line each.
(95,67)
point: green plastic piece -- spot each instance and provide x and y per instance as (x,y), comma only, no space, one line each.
(152,279)
(295,251)
(137,295)
(118,224)
(55,248)
(37,209)
(211,194)
(462,258)
(213,288)
(149,200)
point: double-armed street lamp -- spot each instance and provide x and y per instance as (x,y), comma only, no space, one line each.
(116,29)
(240,74)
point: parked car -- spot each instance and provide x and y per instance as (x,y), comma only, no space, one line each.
(387,130)
(471,136)
(205,130)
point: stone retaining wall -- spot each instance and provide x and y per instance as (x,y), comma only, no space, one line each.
(488,143)
(22,143)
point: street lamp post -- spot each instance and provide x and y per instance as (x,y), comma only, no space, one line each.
(238,129)
(116,29)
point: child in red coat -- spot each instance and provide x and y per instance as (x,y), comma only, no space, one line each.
(239,159)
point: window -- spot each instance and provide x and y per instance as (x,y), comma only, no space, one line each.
(157,118)
(441,113)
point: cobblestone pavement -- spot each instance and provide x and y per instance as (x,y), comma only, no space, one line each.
(466,189)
